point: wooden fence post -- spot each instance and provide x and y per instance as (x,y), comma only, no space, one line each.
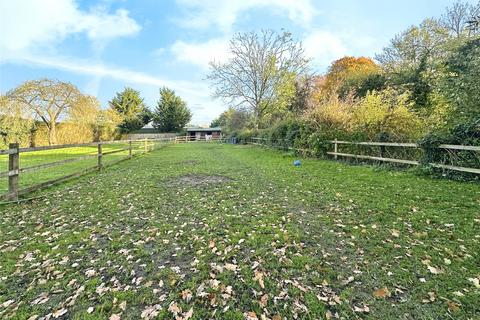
(335,149)
(130,149)
(13,173)
(100,155)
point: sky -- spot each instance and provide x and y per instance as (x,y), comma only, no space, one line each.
(104,46)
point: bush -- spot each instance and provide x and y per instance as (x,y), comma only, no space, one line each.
(386,115)
(462,134)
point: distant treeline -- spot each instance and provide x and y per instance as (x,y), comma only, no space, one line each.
(47,112)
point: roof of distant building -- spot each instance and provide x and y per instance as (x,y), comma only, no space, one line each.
(204,129)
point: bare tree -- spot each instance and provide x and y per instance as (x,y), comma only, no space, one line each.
(48,100)
(259,65)
(461,18)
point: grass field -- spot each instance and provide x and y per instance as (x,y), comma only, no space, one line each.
(206,231)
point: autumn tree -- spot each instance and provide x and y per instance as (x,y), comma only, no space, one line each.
(130,105)
(48,101)
(171,113)
(350,74)
(261,67)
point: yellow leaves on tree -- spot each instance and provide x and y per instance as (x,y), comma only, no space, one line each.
(345,74)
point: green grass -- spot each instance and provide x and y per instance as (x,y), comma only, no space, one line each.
(28,159)
(274,240)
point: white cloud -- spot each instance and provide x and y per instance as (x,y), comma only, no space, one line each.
(196,93)
(28,23)
(324,47)
(223,14)
(200,54)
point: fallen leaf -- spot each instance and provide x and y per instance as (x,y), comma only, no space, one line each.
(230,266)
(174,308)
(251,316)
(90,273)
(188,314)
(364,309)
(453,306)
(475,281)
(60,312)
(7,303)
(381,293)
(395,233)
(259,278)
(434,270)
(186,295)
(263,301)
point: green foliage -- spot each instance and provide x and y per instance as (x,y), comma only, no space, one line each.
(231,120)
(130,105)
(386,114)
(171,113)
(15,126)
(462,86)
(461,134)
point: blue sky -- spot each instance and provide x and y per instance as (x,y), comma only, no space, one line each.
(103,46)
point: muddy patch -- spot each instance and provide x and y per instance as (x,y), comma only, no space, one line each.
(194,180)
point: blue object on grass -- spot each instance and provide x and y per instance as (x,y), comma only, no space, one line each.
(296,163)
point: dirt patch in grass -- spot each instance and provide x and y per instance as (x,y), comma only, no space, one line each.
(194,180)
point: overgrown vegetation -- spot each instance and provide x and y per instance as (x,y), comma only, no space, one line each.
(267,240)
(424,83)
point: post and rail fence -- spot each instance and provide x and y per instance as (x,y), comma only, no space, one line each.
(14,151)
(337,143)
(14,170)
(146,145)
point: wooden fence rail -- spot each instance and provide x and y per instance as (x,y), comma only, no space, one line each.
(14,170)
(336,143)
(14,151)
(184,139)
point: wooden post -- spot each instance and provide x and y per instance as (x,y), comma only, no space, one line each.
(13,173)
(130,149)
(100,155)
(335,149)
(145,145)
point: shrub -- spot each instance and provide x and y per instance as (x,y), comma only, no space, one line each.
(462,134)
(386,114)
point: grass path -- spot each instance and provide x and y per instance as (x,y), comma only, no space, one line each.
(274,241)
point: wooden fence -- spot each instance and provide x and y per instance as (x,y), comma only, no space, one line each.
(14,169)
(183,139)
(14,152)
(336,153)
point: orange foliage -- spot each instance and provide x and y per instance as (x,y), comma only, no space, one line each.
(347,70)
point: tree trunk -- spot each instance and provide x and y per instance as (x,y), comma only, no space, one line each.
(52,133)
